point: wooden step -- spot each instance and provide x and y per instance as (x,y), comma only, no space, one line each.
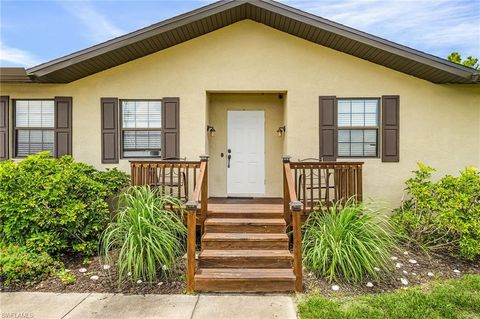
(244,280)
(244,241)
(245,225)
(254,213)
(245,259)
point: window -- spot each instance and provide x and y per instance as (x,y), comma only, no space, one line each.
(357,127)
(141,128)
(34,126)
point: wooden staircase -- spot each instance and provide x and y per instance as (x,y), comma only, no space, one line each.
(245,249)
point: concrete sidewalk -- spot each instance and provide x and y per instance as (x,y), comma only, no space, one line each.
(95,305)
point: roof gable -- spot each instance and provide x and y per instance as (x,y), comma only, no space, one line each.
(212,17)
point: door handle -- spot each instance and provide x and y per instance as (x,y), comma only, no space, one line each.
(229,151)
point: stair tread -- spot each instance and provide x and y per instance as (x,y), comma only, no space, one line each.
(243,221)
(242,253)
(245,236)
(246,273)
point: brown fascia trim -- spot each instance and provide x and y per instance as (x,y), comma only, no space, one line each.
(269,5)
(132,37)
(13,75)
(368,39)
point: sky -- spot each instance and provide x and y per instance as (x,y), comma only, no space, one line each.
(34,32)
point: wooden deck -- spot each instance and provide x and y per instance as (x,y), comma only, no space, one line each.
(245,247)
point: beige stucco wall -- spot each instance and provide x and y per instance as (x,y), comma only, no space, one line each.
(220,104)
(439,124)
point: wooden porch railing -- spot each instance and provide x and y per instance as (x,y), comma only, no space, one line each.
(309,186)
(187,181)
(292,209)
(200,194)
(321,184)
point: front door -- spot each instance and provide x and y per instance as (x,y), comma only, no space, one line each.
(246,153)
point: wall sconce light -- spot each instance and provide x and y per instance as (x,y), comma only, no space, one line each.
(211,130)
(281,131)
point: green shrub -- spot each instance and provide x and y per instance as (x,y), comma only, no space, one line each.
(66,277)
(348,243)
(55,205)
(442,215)
(146,236)
(20,265)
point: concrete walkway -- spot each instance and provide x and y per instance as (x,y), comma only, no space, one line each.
(95,305)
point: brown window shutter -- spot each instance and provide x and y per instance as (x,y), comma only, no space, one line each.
(63,126)
(390,128)
(109,108)
(4,127)
(328,128)
(171,133)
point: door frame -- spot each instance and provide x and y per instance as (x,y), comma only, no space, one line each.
(264,166)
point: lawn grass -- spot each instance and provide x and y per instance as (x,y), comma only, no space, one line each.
(455,298)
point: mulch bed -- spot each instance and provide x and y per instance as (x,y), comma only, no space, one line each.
(416,274)
(106,282)
(441,266)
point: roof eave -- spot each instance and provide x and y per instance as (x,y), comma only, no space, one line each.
(460,72)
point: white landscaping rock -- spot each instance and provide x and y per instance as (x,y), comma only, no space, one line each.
(412,261)
(405,253)
(94,278)
(82,270)
(335,288)
(430,274)
(405,272)
(394,258)
(139,281)
(106,267)
(456,271)
(398,265)
(369,285)
(160,283)
(414,273)
(129,274)
(164,267)
(376,269)
(404,281)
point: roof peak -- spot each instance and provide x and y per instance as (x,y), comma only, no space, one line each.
(219,14)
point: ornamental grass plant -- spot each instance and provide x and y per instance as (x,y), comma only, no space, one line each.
(146,236)
(348,243)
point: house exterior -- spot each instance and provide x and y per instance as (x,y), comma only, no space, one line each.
(248,82)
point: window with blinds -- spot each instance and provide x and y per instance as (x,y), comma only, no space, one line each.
(34,126)
(141,128)
(357,127)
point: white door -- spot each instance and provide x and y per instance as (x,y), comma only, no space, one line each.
(246,153)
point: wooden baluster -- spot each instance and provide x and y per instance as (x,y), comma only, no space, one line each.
(163,179)
(286,194)
(194,177)
(304,186)
(204,194)
(338,184)
(179,182)
(359,183)
(296,181)
(327,188)
(143,182)
(170,184)
(187,179)
(321,198)
(311,189)
(352,181)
